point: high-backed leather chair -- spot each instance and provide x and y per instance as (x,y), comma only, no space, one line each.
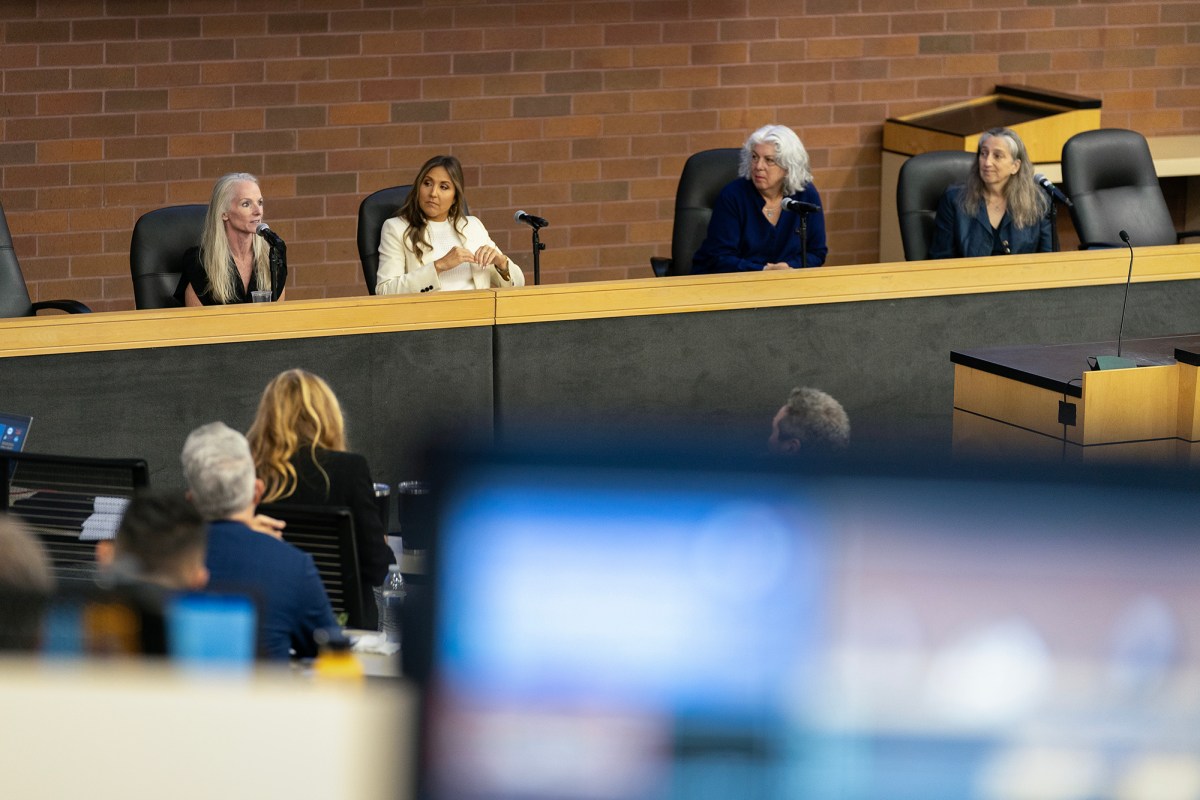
(160,238)
(14,294)
(704,175)
(922,181)
(1110,177)
(376,209)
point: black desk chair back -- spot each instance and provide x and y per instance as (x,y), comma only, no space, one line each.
(922,181)
(55,495)
(1110,177)
(376,209)
(14,294)
(704,175)
(160,238)
(327,534)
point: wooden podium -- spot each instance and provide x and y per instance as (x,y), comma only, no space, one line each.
(1043,119)
(1045,402)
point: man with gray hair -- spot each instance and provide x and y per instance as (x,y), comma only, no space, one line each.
(284,580)
(809,420)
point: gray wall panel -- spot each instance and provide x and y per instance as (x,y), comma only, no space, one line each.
(396,389)
(729,371)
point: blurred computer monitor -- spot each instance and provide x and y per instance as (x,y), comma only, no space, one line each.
(688,627)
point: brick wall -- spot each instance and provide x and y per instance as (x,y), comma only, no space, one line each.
(582,112)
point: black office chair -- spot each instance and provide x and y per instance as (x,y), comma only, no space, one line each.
(704,175)
(375,210)
(1110,177)
(922,181)
(55,495)
(160,238)
(14,294)
(327,534)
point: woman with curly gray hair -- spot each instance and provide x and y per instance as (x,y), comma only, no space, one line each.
(752,227)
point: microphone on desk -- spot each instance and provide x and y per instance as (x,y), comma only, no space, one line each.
(530,220)
(1117,362)
(799,206)
(1055,192)
(271,236)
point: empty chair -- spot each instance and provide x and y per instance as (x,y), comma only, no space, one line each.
(56,495)
(160,238)
(14,294)
(704,175)
(327,534)
(922,181)
(1111,179)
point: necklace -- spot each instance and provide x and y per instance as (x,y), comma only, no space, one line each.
(770,211)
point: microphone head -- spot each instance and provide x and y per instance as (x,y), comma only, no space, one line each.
(517,216)
(262,226)
(1124,236)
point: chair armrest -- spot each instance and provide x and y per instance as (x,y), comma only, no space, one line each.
(1179,237)
(661,265)
(70,306)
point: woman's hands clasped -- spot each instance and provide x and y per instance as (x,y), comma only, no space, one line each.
(486,256)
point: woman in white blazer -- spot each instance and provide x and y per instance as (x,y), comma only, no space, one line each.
(431,245)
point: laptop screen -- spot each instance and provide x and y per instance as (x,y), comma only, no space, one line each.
(629,631)
(14,428)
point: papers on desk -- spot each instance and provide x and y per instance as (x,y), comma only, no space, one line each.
(371,643)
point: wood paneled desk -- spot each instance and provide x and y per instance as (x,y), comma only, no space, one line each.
(1046,401)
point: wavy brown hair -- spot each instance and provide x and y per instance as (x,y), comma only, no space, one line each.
(411,211)
(297,409)
(1027,204)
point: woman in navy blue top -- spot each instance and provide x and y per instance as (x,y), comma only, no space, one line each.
(999,210)
(750,230)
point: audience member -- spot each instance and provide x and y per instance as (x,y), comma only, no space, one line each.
(26,585)
(299,445)
(750,229)
(432,244)
(161,540)
(232,260)
(284,580)
(809,420)
(999,210)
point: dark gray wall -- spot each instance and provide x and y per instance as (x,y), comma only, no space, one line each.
(726,372)
(396,389)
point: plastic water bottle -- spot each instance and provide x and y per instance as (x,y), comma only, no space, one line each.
(392,612)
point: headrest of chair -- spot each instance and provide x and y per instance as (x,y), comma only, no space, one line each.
(1106,159)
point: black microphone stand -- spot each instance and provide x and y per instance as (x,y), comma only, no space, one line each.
(802,232)
(1053,226)
(538,247)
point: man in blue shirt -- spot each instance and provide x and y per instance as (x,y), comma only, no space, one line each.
(282,579)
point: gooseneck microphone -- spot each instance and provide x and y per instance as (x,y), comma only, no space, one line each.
(799,206)
(530,220)
(271,236)
(1118,361)
(1055,192)
(1128,278)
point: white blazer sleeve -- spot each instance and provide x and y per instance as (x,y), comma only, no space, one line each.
(400,271)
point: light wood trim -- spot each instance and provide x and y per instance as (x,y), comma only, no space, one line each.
(1175,155)
(983,437)
(1010,401)
(685,294)
(345,316)
(1125,405)
(294,319)
(1188,424)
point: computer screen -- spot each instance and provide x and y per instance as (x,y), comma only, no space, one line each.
(14,428)
(644,629)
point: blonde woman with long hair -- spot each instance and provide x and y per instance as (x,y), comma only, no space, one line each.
(298,441)
(232,260)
